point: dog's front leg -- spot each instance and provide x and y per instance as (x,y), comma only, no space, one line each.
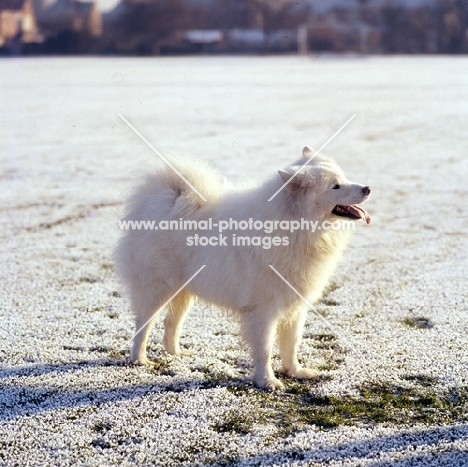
(289,339)
(258,329)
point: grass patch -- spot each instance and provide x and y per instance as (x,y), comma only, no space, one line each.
(234,422)
(418,322)
(77,413)
(200,452)
(94,309)
(331,287)
(107,266)
(76,348)
(331,350)
(100,349)
(89,280)
(422,380)
(162,366)
(415,401)
(299,407)
(101,426)
(330,365)
(111,313)
(325,342)
(329,302)
(113,353)
(215,378)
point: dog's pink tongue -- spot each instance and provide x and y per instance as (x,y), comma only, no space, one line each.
(360,212)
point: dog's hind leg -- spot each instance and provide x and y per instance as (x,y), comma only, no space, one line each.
(146,304)
(258,330)
(289,339)
(177,310)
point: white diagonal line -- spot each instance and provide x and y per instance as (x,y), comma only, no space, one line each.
(162,157)
(160,308)
(311,306)
(315,154)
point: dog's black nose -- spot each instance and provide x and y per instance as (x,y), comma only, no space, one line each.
(366,190)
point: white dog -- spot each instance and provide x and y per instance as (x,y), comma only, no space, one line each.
(237,276)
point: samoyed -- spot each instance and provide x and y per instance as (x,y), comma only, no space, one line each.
(240,243)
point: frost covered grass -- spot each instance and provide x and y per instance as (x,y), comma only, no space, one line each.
(392,389)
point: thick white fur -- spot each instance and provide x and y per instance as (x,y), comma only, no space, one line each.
(154,264)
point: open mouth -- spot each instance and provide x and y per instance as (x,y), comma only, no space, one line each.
(351,212)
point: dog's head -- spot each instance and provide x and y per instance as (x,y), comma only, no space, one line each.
(321,188)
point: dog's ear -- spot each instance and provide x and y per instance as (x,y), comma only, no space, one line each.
(308,152)
(296,183)
(285,174)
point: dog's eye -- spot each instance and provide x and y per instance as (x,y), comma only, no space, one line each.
(336,187)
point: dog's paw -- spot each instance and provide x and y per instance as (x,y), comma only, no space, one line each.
(302,373)
(178,352)
(269,384)
(141,361)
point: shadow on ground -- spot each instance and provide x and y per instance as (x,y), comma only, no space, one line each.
(296,409)
(18,399)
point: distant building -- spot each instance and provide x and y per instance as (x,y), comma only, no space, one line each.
(327,33)
(73,15)
(71,26)
(141,27)
(18,26)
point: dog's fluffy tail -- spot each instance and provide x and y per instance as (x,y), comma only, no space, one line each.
(167,189)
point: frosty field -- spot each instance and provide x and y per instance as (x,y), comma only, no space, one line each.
(394,359)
